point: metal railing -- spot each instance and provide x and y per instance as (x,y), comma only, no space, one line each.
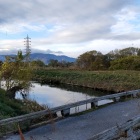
(65,109)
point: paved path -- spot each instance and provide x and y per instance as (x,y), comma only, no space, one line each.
(85,126)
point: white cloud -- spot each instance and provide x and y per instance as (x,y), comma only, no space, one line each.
(21,27)
(72,50)
(70,26)
(126,21)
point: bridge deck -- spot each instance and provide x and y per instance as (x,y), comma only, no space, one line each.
(85,126)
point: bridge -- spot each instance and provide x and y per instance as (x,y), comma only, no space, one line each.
(65,109)
(129,130)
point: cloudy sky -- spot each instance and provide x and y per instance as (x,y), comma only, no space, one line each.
(69,27)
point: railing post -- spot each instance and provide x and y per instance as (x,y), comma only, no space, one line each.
(116,99)
(94,104)
(122,98)
(54,115)
(65,112)
(134,95)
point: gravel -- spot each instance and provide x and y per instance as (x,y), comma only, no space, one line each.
(84,126)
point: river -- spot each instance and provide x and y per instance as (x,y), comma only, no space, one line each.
(54,96)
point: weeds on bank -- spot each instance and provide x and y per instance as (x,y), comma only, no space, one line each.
(25,125)
(13,107)
(105,80)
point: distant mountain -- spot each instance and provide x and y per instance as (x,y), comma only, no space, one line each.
(2,57)
(46,57)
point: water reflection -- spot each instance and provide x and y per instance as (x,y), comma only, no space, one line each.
(82,90)
(53,96)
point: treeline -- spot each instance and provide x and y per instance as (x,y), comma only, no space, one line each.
(124,59)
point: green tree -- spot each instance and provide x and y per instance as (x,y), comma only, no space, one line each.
(37,63)
(99,63)
(130,51)
(16,74)
(93,60)
(53,63)
(85,60)
(1,63)
(126,63)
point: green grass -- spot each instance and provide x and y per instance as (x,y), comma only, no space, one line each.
(13,107)
(104,80)
(9,107)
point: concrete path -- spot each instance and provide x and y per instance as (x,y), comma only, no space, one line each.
(85,126)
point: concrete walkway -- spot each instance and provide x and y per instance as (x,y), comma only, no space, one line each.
(85,126)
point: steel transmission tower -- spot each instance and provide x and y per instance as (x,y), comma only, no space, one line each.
(28,48)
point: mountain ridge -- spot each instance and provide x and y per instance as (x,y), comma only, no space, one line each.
(45,57)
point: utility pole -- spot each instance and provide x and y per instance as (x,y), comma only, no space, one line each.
(28,48)
(27,43)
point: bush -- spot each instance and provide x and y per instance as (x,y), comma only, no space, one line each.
(126,63)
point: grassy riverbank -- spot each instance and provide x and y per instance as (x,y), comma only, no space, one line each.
(13,107)
(103,80)
(9,107)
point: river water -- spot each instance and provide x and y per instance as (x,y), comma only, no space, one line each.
(54,96)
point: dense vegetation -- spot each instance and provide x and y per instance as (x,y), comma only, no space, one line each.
(115,81)
(16,73)
(14,107)
(98,71)
(62,64)
(125,59)
(10,107)
(126,63)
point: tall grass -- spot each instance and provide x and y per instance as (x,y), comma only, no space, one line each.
(13,107)
(104,80)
